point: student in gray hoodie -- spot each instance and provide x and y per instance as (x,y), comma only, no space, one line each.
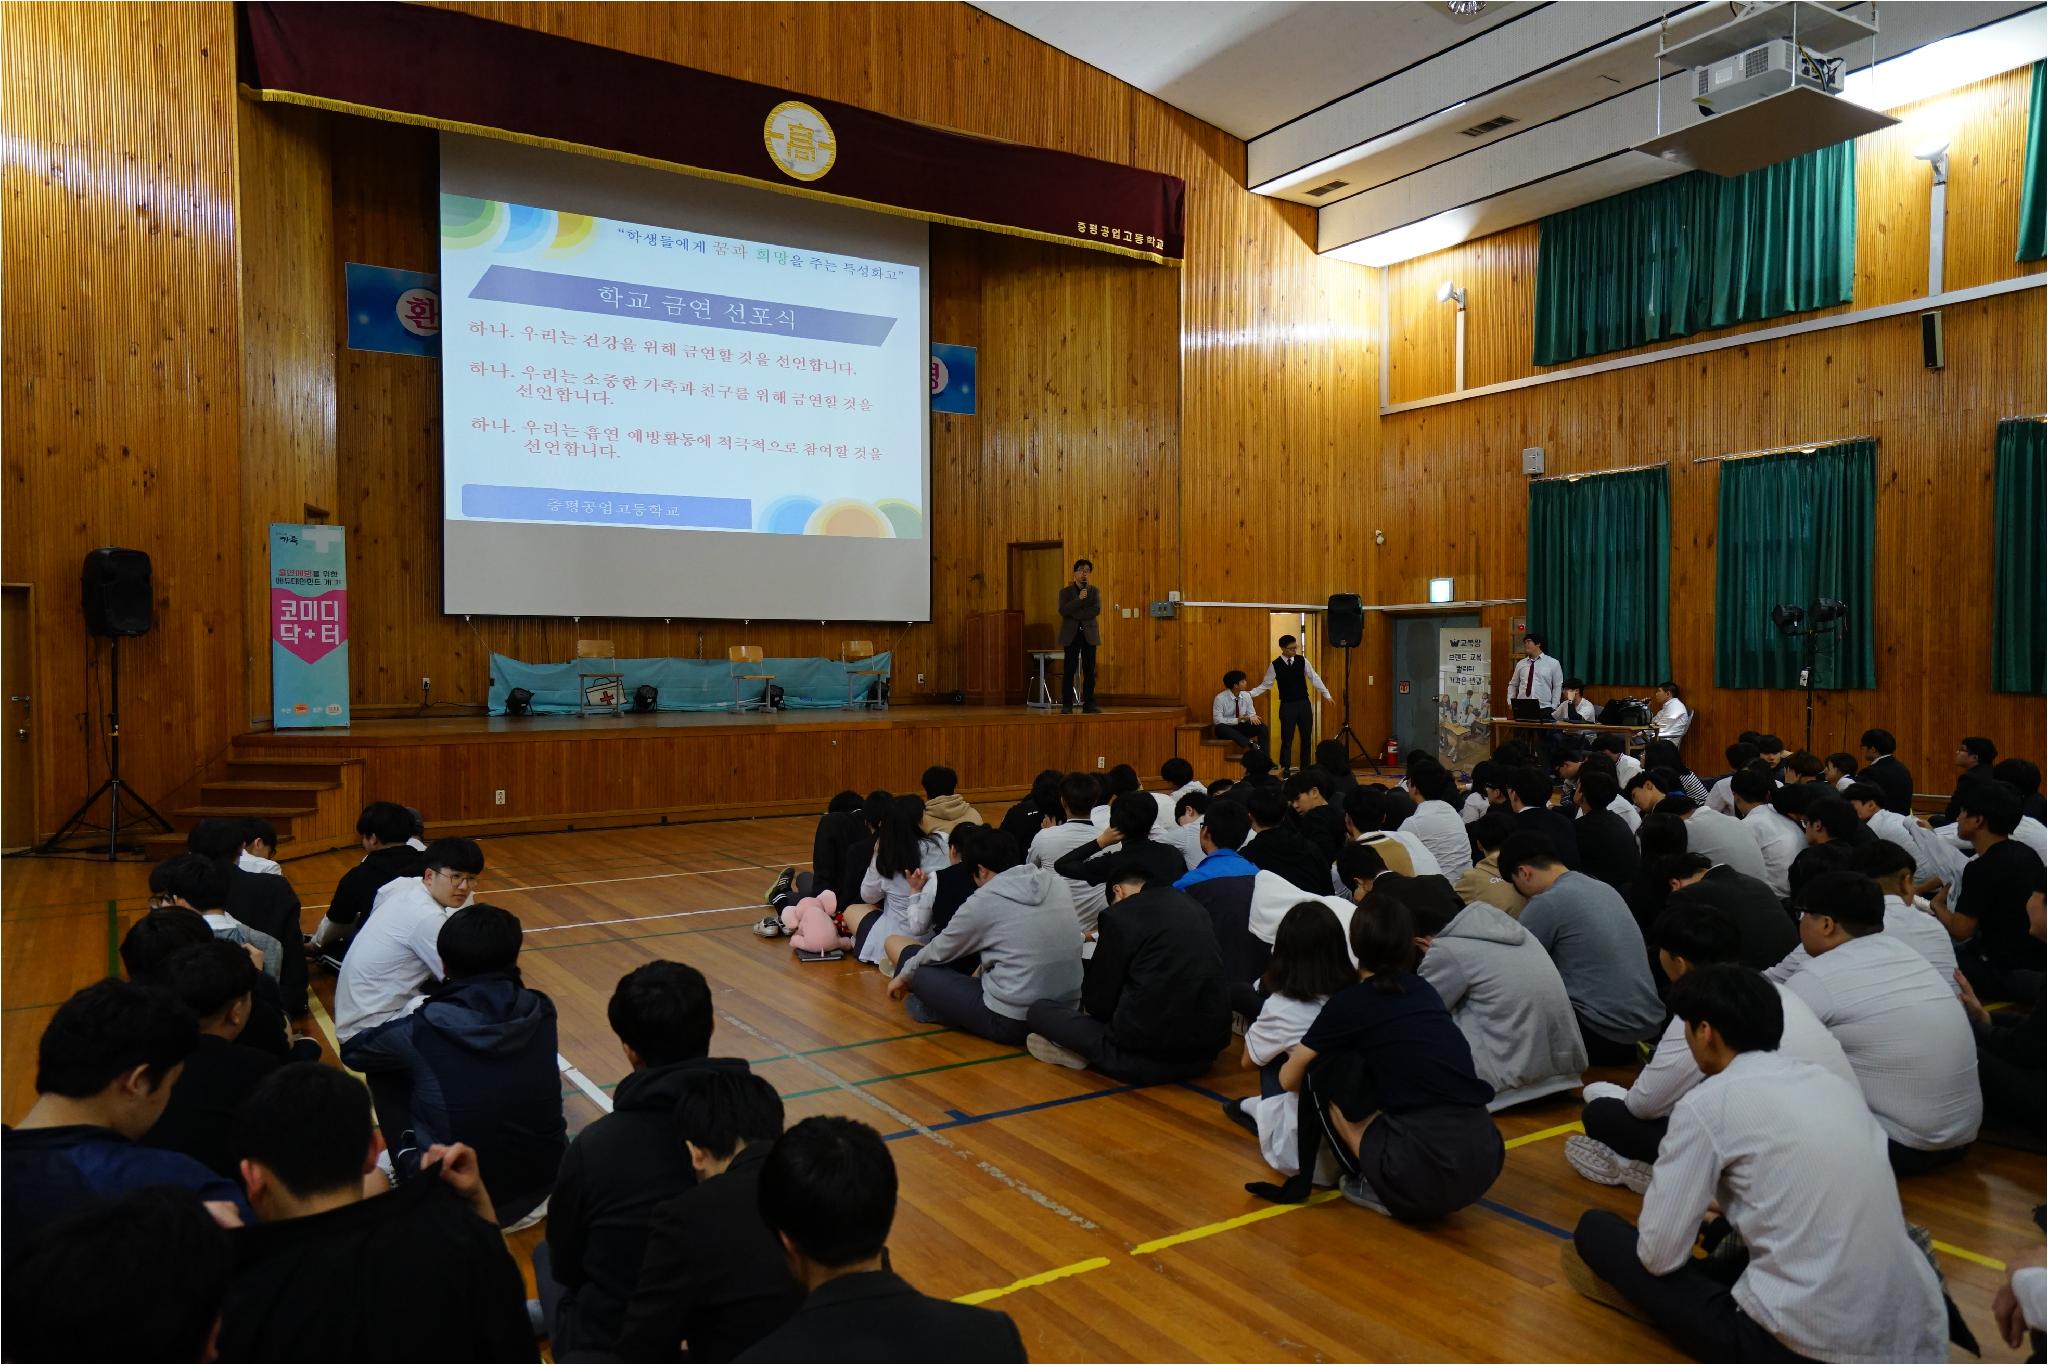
(1505,996)
(1020,919)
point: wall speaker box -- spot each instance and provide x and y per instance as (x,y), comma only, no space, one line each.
(1930,341)
(116,592)
(1346,620)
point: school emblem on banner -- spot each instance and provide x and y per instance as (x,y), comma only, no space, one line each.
(800,141)
(308,626)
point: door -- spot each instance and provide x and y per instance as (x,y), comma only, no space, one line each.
(1417,649)
(17,761)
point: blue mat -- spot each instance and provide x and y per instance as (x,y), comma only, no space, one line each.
(684,684)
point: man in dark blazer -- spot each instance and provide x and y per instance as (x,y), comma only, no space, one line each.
(1882,769)
(1080,633)
(828,1189)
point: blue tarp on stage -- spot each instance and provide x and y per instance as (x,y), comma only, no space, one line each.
(684,684)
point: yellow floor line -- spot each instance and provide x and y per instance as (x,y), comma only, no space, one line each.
(1974,1258)
(1242,1220)
(1525,1139)
(1033,1281)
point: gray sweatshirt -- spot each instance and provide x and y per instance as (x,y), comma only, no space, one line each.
(1022,923)
(1509,1002)
(1589,933)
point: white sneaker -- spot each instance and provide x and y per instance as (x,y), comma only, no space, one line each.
(1046,1050)
(1602,1165)
(769,926)
(1355,1189)
(536,1216)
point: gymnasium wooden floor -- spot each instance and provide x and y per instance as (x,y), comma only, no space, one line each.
(1110,1222)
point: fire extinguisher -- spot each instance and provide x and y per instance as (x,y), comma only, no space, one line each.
(1393,752)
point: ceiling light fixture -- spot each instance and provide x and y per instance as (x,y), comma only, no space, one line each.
(1462,8)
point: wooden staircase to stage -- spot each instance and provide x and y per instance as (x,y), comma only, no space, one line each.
(313,802)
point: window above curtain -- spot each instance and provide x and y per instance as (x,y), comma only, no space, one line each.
(1600,574)
(1697,252)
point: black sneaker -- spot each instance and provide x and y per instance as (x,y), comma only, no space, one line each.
(1091,710)
(782,885)
(331,961)
(1234,1111)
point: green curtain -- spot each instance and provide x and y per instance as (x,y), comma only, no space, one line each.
(1694,252)
(2034,182)
(2019,509)
(1600,574)
(1793,528)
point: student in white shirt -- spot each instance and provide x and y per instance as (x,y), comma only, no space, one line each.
(1232,714)
(259,847)
(1435,822)
(1671,718)
(1906,916)
(1624,1127)
(1779,837)
(1179,776)
(1727,841)
(1310,963)
(1895,1017)
(396,952)
(1575,707)
(1789,1154)
(1626,764)
(1077,797)
(1720,796)
(1536,677)
(900,884)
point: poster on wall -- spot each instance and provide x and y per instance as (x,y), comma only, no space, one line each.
(308,626)
(1464,732)
(952,378)
(393,310)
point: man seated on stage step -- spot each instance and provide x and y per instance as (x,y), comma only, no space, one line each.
(943,806)
(1233,715)
(1894,1016)
(1790,1156)
(386,829)
(1154,1004)
(397,953)
(1019,922)
(1623,1127)
(1077,798)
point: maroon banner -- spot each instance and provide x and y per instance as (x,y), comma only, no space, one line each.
(453,71)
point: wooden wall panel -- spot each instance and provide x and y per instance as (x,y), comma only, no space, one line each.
(1987,124)
(118,303)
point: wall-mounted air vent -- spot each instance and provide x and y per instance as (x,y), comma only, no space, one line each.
(1321,190)
(1482,129)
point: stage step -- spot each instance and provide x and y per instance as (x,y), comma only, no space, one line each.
(313,802)
(256,769)
(254,796)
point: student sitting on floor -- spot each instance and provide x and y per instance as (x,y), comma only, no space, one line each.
(152,941)
(1179,776)
(1624,1127)
(396,953)
(1154,1004)
(1122,780)
(197,883)
(1041,804)
(1529,791)
(1386,1076)
(1895,1018)
(1482,881)
(1589,933)
(715,1280)
(1906,916)
(2012,1049)
(1607,843)
(1187,827)
(1019,923)
(385,828)
(828,1189)
(840,830)
(1307,795)
(259,847)
(1310,963)
(1117,847)
(1333,758)
(1989,915)
(476,1063)
(1764,933)
(216,981)
(622,1165)
(1790,1156)
(105,1067)
(1223,884)
(264,901)
(1435,819)
(1779,837)
(898,889)
(1277,846)
(1077,798)
(330,1273)
(1504,994)
(944,808)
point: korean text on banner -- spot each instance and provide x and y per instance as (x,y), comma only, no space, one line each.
(1464,733)
(308,625)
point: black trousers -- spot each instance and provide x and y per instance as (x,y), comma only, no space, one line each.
(1297,717)
(1608,1121)
(1251,734)
(1082,1032)
(1604,1051)
(1081,661)
(1692,1305)
(1913,1161)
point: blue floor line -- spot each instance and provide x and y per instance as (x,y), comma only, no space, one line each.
(1504,1211)
(969,1119)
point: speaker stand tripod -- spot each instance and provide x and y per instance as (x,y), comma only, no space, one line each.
(114,789)
(1354,747)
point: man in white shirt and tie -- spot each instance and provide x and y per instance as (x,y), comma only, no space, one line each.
(1797,1166)
(1537,678)
(1233,716)
(1671,717)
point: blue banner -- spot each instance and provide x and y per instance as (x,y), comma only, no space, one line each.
(952,378)
(308,626)
(393,310)
(682,684)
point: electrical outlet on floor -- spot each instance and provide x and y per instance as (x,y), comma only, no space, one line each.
(500,797)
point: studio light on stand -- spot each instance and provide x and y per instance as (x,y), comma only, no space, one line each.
(519,702)
(1827,616)
(644,698)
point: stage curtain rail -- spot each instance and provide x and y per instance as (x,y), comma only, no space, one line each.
(683,684)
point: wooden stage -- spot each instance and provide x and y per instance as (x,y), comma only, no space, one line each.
(1111,1222)
(560,772)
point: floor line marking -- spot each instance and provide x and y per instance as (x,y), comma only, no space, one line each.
(584,1083)
(1525,1139)
(634,938)
(906,1075)
(1973,1257)
(1036,1196)
(969,1120)
(641,919)
(612,881)
(1229,1224)
(1527,1218)
(1033,1281)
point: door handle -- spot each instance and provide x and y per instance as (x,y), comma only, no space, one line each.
(22,699)
(21,734)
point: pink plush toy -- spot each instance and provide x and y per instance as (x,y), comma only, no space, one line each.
(813,924)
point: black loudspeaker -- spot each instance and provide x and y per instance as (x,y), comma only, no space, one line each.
(1346,621)
(1932,354)
(116,592)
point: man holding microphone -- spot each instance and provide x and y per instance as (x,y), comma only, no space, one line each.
(1080,633)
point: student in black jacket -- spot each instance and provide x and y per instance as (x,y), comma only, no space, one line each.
(1023,820)
(828,1188)
(1154,1003)
(1764,933)
(714,1280)
(216,981)
(1607,846)
(1279,848)
(264,901)
(1308,794)
(1131,818)
(330,1272)
(1881,768)
(385,826)
(152,941)
(1529,798)
(624,1165)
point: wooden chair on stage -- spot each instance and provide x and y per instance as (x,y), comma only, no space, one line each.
(749,656)
(603,693)
(866,684)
